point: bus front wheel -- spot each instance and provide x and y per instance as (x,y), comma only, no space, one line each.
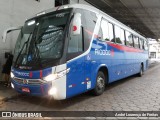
(100,84)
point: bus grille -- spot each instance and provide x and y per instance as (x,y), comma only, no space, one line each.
(29,81)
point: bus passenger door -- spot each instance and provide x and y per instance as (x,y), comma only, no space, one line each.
(75,59)
(75,77)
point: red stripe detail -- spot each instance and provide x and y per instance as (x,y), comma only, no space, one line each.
(30,74)
(124,48)
(41,73)
(112,52)
(120,47)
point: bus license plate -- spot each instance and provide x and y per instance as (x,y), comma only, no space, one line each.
(26,90)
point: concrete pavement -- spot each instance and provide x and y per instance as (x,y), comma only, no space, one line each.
(6,92)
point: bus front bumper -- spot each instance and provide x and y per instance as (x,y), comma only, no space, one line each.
(33,90)
(55,89)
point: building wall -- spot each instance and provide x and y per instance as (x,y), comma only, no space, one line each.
(154,49)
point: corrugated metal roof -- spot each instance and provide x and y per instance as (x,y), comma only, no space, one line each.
(141,15)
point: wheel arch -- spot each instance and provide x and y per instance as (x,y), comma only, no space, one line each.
(104,69)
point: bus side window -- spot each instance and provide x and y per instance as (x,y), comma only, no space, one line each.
(80,43)
(122,37)
(129,40)
(75,43)
(89,20)
(145,45)
(119,35)
(141,43)
(136,41)
(100,34)
(104,30)
(111,35)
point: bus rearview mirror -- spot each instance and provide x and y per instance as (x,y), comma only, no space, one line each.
(77,24)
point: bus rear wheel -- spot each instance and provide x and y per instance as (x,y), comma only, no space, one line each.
(141,71)
(100,84)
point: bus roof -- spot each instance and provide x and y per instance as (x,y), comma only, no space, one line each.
(93,9)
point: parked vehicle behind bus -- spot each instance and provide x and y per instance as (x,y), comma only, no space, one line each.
(74,49)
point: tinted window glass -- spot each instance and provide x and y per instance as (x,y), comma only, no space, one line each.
(111,36)
(88,24)
(80,43)
(75,43)
(129,40)
(141,43)
(100,34)
(105,28)
(60,2)
(88,27)
(136,41)
(145,45)
(42,39)
(117,34)
(122,37)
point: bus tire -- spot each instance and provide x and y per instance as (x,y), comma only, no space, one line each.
(100,84)
(140,74)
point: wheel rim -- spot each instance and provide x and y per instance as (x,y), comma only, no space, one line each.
(100,83)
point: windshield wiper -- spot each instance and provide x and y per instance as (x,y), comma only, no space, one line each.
(23,47)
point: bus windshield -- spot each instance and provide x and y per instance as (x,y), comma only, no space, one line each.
(41,39)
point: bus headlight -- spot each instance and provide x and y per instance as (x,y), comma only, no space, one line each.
(52,91)
(12,85)
(56,75)
(12,75)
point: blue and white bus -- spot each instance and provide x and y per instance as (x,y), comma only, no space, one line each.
(72,49)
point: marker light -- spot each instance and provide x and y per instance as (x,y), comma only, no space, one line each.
(52,91)
(56,75)
(12,75)
(31,22)
(12,85)
(65,7)
(41,13)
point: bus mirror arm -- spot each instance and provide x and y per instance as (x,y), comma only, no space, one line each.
(83,37)
(4,36)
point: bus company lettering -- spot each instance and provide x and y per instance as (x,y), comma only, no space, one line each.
(22,74)
(102,52)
